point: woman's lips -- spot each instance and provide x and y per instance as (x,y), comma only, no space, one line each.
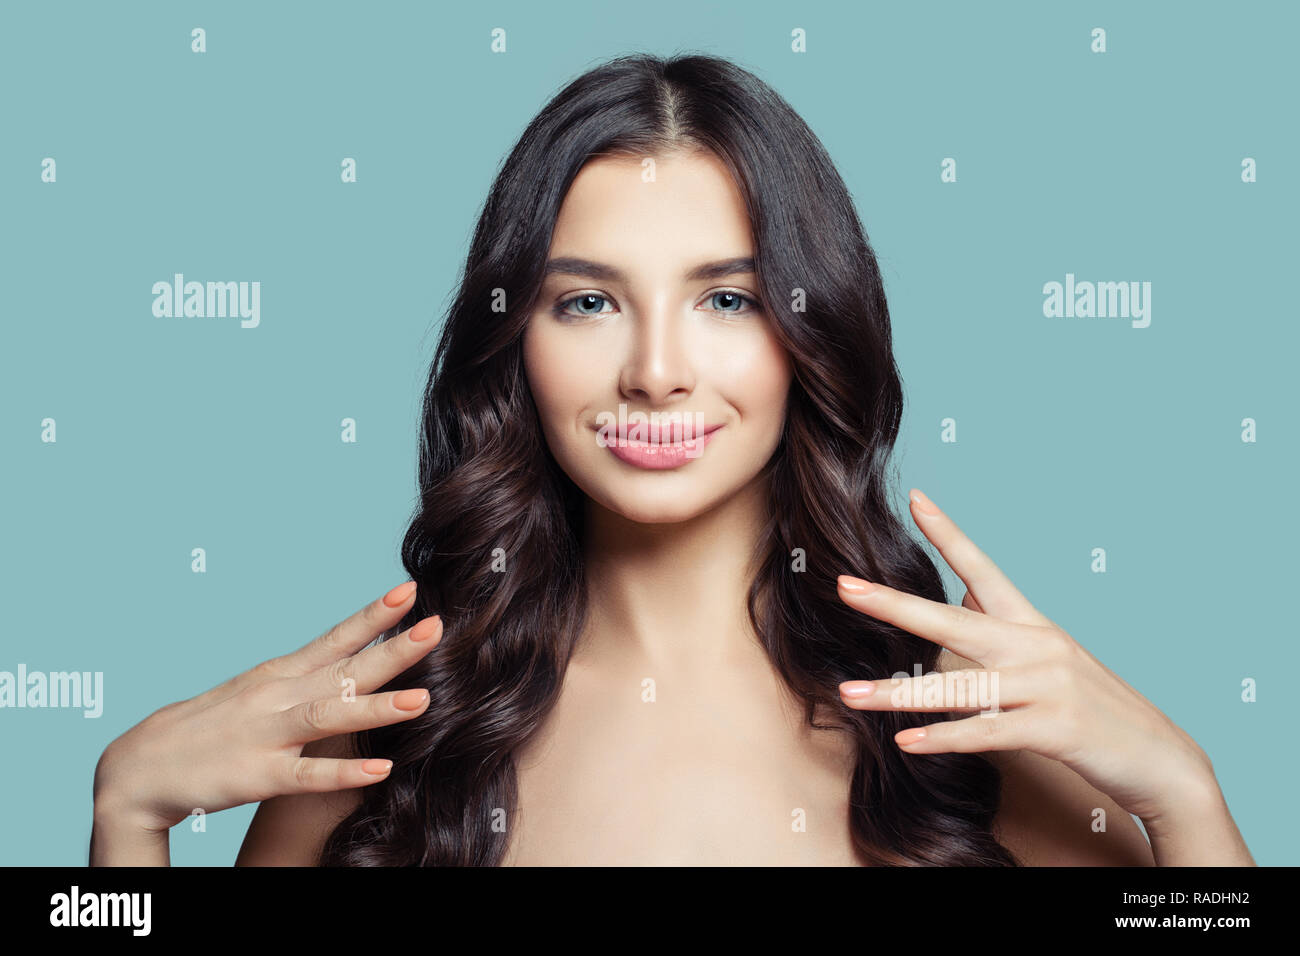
(660,455)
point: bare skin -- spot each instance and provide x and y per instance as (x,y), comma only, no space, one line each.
(655,757)
(716,779)
(673,740)
(719,766)
(612,780)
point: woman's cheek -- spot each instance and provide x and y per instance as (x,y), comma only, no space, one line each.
(562,373)
(546,359)
(755,372)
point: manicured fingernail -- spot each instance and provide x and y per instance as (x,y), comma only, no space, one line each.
(399,594)
(856,585)
(857,688)
(910,736)
(377,767)
(426,628)
(410,699)
(923,504)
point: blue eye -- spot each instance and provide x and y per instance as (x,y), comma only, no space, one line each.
(588,304)
(585,299)
(733,298)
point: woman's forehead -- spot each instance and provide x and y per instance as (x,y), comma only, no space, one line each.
(676,210)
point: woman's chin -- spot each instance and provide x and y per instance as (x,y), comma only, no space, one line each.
(659,506)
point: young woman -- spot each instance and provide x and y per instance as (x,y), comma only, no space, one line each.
(673,643)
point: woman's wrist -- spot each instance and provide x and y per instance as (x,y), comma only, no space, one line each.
(1195,828)
(121,836)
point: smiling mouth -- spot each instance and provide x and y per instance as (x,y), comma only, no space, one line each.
(653,433)
(655,447)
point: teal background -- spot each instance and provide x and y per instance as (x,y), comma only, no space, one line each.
(1073,433)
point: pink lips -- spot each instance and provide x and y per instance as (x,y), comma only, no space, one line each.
(655,454)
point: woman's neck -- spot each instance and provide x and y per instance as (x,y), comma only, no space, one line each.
(671,598)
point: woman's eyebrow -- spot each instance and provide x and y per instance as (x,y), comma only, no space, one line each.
(574,266)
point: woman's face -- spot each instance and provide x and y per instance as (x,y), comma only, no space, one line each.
(660,385)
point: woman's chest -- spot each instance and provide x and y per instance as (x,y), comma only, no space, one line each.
(688,781)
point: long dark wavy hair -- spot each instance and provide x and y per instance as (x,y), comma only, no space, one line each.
(488,481)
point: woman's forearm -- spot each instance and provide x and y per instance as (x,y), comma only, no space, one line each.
(1198,831)
(116,839)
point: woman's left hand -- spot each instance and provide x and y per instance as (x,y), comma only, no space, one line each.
(1062,702)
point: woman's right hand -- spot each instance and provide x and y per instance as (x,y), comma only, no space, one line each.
(242,741)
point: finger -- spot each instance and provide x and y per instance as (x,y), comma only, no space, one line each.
(328,716)
(374,666)
(351,634)
(969,634)
(1006,730)
(348,635)
(323,774)
(960,691)
(992,589)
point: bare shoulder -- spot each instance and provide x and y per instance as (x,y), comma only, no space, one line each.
(1049,814)
(290,830)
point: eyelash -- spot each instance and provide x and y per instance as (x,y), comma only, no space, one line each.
(560,312)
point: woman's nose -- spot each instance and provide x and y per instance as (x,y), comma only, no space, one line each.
(659,364)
